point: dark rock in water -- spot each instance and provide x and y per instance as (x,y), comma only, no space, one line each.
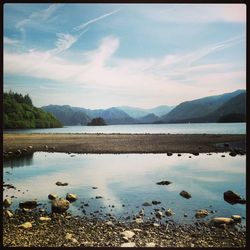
(195,153)
(60,206)
(52,196)
(178,154)
(146,204)
(156,202)
(61,183)
(232,154)
(164,183)
(169,154)
(28,204)
(233,198)
(185,194)
(98,197)
(94,187)
(71,197)
(226,145)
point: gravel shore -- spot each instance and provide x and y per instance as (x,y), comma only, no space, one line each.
(69,231)
(122,143)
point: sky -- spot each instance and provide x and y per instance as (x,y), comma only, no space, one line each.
(106,55)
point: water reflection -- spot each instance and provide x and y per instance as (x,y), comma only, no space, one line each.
(131,180)
(21,161)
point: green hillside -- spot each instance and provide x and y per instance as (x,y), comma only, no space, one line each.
(19,113)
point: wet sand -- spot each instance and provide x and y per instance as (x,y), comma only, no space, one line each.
(123,143)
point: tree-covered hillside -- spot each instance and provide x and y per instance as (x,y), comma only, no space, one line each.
(19,112)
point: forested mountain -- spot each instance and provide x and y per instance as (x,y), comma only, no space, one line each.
(19,112)
(207,109)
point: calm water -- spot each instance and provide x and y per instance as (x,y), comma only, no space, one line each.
(187,128)
(130,179)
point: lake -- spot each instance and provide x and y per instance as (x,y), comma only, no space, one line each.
(126,181)
(186,128)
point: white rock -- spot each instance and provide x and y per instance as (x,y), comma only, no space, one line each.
(71,197)
(68,236)
(44,218)
(26,225)
(128,244)
(156,225)
(8,214)
(52,196)
(7,202)
(236,218)
(159,214)
(150,244)
(128,234)
(109,223)
(222,220)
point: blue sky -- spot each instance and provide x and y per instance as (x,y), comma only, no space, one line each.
(104,55)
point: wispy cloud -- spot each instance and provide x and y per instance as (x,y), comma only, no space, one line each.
(41,15)
(152,78)
(9,41)
(84,25)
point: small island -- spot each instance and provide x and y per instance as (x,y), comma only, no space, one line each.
(98,121)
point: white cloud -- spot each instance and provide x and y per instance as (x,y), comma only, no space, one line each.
(9,41)
(199,13)
(170,79)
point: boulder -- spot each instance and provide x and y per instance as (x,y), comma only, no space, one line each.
(30,147)
(233,198)
(28,204)
(7,202)
(71,197)
(169,154)
(52,196)
(221,221)
(159,214)
(164,183)
(128,234)
(60,206)
(25,225)
(185,194)
(201,213)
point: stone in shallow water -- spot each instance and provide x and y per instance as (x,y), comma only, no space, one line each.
(52,196)
(59,183)
(156,202)
(233,198)
(185,194)
(28,204)
(163,183)
(146,204)
(201,213)
(60,205)
(7,202)
(222,220)
(236,218)
(169,212)
(71,197)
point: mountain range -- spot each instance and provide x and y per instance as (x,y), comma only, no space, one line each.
(230,106)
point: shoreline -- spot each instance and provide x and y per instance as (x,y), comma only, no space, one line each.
(14,144)
(74,231)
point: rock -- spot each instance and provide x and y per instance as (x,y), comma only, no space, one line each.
(109,223)
(25,225)
(98,197)
(58,183)
(125,239)
(94,187)
(156,224)
(60,206)
(68,236)
(128,234)
(52,196)
(150,244)
(236,218)
(71,197)
(156,202)
(164,183)
(8,214)
(24,150)
(185,215)
(226,144)
(44,218)
(128,244)
(159,214)
(30,147)
(233,198)
(185,194)
(169,154)
(46,146)
(221,220)
(232,154)
(169,212)
(7,202)
(18,152)
(138,220)
(178,154)
(195,153)
(201,213)
(146,204)
(28,204)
